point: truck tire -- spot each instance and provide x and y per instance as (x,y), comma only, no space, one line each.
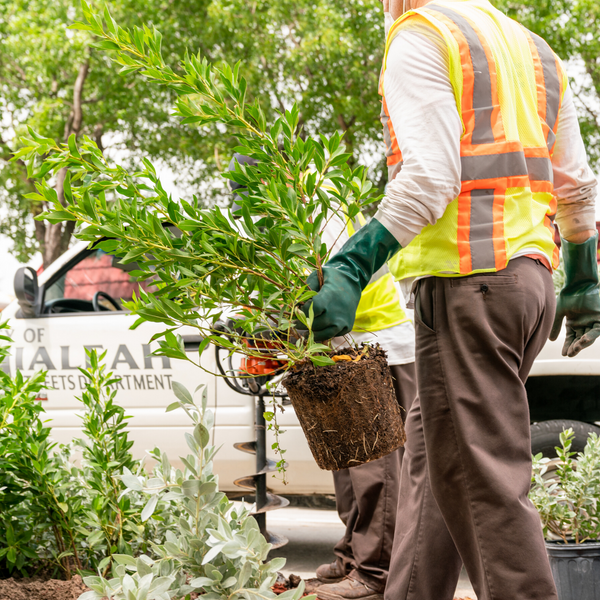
(545,435)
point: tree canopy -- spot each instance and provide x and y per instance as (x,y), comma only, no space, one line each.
(323,54)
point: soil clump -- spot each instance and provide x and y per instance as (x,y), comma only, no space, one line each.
(348,411)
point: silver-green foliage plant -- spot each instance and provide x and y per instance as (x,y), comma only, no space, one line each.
(205,262)
(568,500)
(214,548)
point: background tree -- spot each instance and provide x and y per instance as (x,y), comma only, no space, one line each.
(323,54)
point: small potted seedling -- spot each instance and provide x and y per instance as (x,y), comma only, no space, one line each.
(206,264)
(566,493)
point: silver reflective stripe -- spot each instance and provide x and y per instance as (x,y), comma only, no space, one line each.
(394,170)
(540,169)
(379,274)
(481,231)
(482,86)
(551,79)
(551,139)
(387,138)
(491,166)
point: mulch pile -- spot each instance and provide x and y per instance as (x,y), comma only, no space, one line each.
(39,589)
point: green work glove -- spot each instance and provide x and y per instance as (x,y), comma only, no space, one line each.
(346,275)
(579,300)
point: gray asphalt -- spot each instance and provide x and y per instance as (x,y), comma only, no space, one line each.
(312,534)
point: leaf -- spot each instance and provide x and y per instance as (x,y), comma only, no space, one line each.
(201,435)
(125,559)
(191,487)
(182,393)
(321,361)
(149,508)
(131,481)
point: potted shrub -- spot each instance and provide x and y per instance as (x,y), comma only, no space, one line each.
(566,493)
(206,264)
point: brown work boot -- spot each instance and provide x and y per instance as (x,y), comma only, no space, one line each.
(347,589)
(331,573)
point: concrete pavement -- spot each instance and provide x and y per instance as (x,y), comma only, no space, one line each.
(312,534)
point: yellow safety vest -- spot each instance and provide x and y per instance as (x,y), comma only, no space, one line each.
(509,87)
(379,307)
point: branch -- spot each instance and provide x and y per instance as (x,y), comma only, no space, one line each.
(77,97)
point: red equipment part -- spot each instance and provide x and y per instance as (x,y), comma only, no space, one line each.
(258,365)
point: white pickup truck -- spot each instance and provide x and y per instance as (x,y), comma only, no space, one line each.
(77,305)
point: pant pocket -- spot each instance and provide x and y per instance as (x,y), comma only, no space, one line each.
(425,303)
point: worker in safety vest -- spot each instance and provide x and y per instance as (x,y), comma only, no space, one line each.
(489,152)
(366,495)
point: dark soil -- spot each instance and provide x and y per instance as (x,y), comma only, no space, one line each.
(348,411)
(32,589)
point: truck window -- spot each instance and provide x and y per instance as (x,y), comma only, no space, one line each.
(97,272)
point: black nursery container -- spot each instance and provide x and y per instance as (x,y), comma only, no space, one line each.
(576,570)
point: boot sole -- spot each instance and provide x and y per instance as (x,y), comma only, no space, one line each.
(326,580)
(325,595)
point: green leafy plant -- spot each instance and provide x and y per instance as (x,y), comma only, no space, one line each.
(55,516)
(214,547)
(32,475)
(567,498)
(111,521)
(206,263)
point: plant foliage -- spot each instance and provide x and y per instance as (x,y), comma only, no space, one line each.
(208,263)
(568,498)
(144,537)
(214,547)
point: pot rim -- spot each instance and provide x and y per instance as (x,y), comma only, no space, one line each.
(561,544)
(571,550)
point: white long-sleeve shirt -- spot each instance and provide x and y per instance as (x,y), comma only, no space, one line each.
(425,117)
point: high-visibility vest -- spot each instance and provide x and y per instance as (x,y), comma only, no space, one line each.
(509,87)
(379,307)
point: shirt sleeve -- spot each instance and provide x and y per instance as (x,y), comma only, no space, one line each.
(575,185)
(428,128)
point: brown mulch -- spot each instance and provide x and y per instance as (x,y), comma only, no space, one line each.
(32,589)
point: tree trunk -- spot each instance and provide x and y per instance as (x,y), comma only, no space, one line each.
(56,237)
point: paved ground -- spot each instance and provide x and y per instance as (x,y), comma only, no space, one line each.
(312,533)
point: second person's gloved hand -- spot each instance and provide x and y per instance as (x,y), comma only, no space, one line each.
(345,277)
(579,300)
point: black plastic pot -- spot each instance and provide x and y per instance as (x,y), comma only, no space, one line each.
(576,570)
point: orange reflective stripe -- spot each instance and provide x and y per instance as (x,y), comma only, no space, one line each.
(389,135)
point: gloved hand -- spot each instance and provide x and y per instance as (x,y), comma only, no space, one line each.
(579,300)
(346,275)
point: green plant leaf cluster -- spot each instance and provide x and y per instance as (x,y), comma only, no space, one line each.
(55,516)
(214,548)
(144,536)
(207,263)
(566,491)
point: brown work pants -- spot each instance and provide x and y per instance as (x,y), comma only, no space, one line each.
(367,496)
(466,471)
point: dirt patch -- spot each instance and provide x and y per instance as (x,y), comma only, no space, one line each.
(348,411)
(31,589)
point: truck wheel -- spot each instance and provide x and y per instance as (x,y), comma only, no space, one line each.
(545,435)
